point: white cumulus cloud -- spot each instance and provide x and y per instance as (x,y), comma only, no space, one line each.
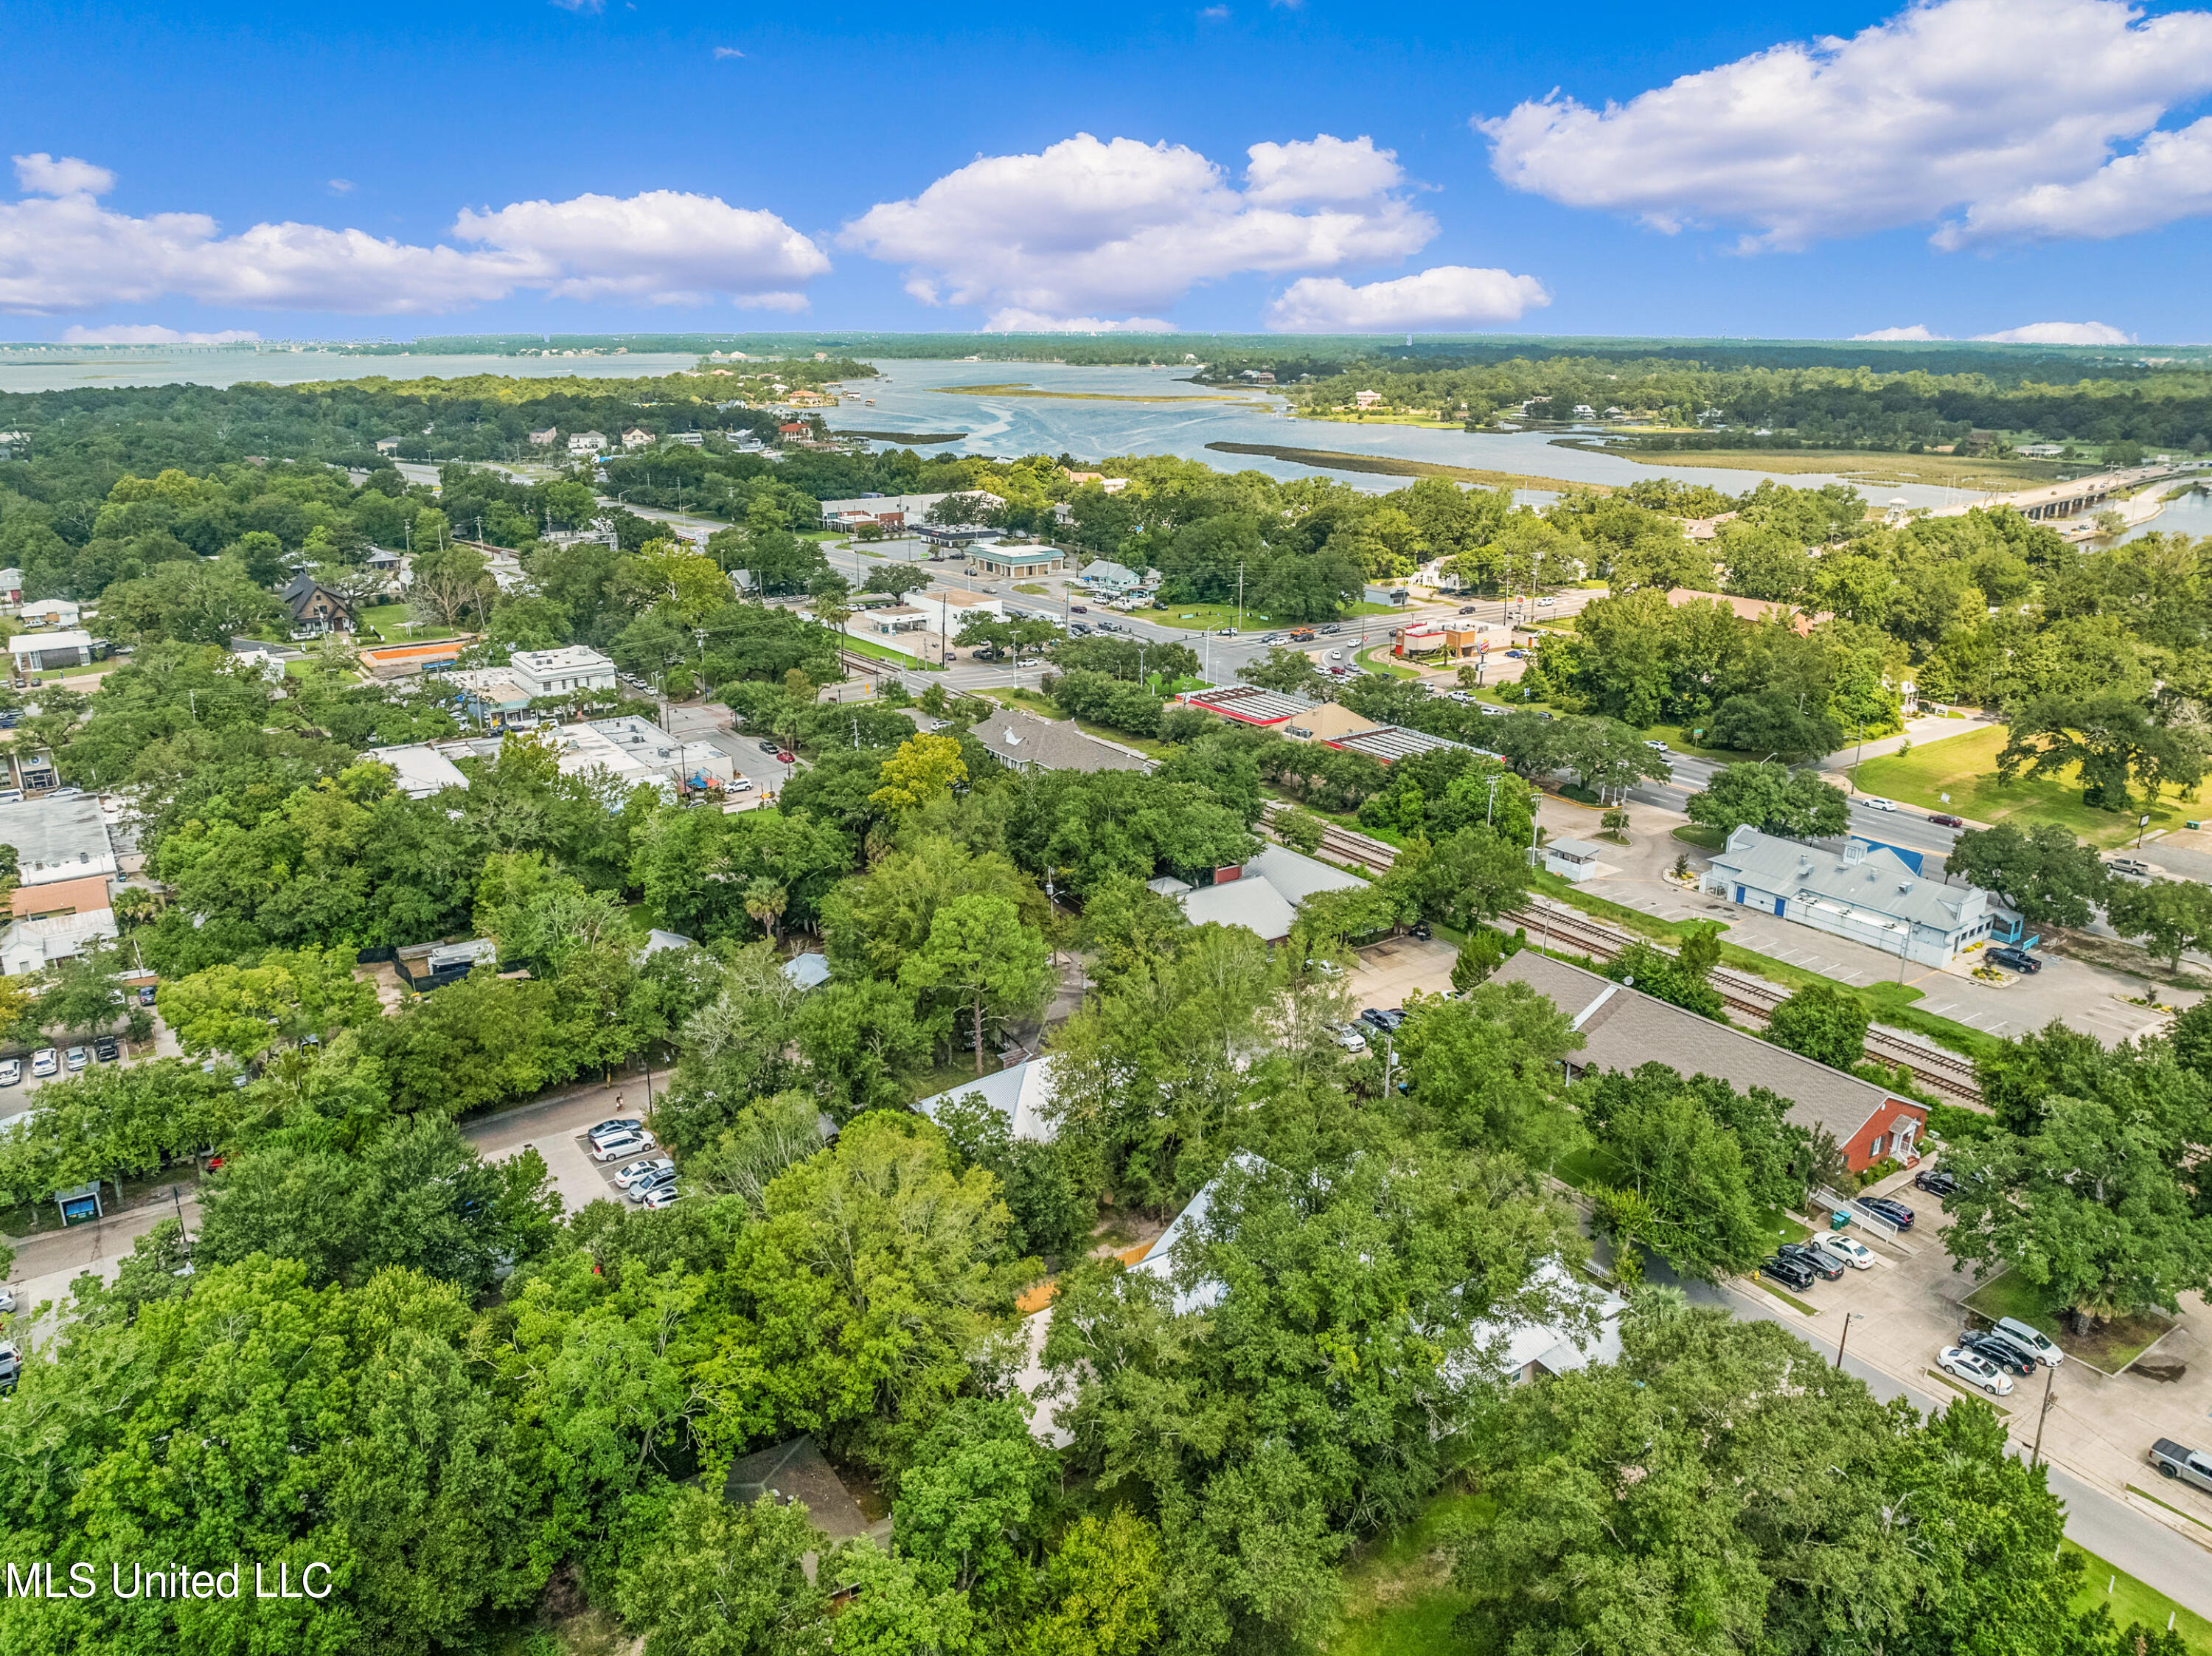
(152,333)
(1447,296)
(2059,333)
(2168,177)
(1092,226)
(41,174)
(1917,331)
(61,252)
(662,246)
(1958,103)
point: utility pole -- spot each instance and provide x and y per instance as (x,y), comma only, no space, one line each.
(1850,1317)
(2035,1456)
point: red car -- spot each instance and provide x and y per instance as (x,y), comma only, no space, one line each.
(1941,821)
(787,757)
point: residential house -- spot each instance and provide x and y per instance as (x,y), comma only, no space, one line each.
(419,769)
(811,399)
(57,839)
(546,438)
(1751,611)
(424,967)
(688,439)
(11,590)
(29,946)
(1029,742)
(1021,1094)
(387,445)
(1622,1028)
(51,613)
(35,653)
(807,971)
(1263,894)
(1367,399)
(1522,1348)
(586,442)
(554,672)
(1866,893)
(637,437)
(1113,580)
(264,660)
(316,610)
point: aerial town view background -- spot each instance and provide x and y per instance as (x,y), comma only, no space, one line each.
(872,833)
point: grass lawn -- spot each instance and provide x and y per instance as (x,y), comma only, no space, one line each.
(1698,834)
(883,653)
(1398,1597)
(1965,766)
(2129,1601)
(1860,465)
(390,622)
(1378,660)
(1204,617)
(2110,1350)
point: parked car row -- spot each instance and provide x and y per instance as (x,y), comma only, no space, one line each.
(648,1179)
(48,1061)
(1991,1357)
(1825,1258)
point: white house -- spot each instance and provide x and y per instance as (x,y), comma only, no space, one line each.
(1868,894)
(1263,896)
(556,672)
(586,442)
(637,437)
(33,945)
(1019,1094)
(51,612)
(43,652)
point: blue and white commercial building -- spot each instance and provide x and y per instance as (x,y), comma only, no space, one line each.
(1867,893)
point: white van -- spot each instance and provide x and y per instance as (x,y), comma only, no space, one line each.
(45,1062)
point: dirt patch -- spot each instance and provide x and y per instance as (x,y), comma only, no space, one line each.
(2117,956)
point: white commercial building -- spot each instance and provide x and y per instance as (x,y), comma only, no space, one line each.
(555,672)
(57,839)
(33,945)
(891,512)
(1868,894)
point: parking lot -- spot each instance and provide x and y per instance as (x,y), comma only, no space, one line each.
(1910,1306)
(555,1130)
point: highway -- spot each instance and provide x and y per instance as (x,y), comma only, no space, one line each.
(1904,827)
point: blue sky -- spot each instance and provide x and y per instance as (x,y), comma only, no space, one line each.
(1968,167)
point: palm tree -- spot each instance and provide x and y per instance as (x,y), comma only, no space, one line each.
(764,901)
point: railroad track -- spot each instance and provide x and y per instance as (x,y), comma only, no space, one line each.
(1944,1073)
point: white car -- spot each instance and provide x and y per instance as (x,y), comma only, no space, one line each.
(2038,1342)
(641,1173)
(1856,1254)
(738,785)
(1656,747)
(1967,1366)
(613,1128)
(11,1072)
(1350,1039)
(1873,803)
(76,1057)
(621,1149)
(1225,631)
(659,1197)
(45,1062)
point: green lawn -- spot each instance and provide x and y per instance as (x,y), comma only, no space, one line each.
(390,622)
(2130,1601)
(1196,617)
(1698,834)
(2109,1349)
(1398,1597)
(1377,660)
(883,653)
(1964,767)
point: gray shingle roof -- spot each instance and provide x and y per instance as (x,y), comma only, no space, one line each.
(1022,738)
(1624,1027)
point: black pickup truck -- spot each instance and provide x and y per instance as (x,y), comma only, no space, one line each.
(2190,1465)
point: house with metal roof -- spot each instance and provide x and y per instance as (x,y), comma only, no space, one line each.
(1624,1029)
(1263,894)
(1868,894)
(1019,1094)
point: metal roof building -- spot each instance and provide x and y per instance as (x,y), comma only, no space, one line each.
(1868,895)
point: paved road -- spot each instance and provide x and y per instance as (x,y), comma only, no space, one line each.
(1905,825)
(2141,1546)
